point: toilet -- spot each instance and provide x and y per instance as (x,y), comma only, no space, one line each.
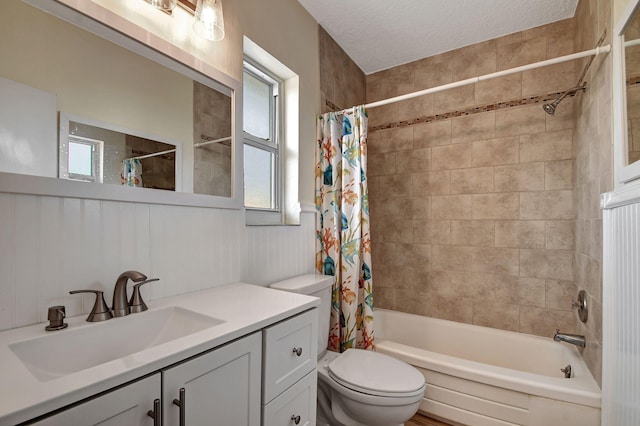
(357,387)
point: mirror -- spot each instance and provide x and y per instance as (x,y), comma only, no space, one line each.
(117,108)
(631,36)
(626,94)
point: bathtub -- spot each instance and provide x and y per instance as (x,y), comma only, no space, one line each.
(482,376)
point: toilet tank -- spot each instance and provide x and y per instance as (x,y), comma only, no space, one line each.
(318,286)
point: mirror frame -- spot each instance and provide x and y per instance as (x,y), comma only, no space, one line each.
(624,172)
(134,38)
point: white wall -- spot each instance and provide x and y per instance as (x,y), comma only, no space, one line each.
(49,245)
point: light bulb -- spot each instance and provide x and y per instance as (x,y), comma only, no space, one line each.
(209,21)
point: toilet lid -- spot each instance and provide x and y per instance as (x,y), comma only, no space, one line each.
(374,373)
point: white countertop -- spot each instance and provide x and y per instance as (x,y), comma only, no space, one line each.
(245,309)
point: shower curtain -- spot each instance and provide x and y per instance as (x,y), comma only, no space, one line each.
(343,239)
(131,172)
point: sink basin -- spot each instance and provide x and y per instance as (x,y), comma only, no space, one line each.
(72,350)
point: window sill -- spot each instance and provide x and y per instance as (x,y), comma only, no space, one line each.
(263,218)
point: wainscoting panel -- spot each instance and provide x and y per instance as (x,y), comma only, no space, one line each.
(621,316)
(51,245)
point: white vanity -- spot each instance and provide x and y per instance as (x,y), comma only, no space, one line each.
(232,355)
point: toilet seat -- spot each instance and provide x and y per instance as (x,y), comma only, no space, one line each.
(392,379)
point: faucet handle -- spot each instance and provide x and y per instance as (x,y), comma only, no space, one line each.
(100,311)
(136,304)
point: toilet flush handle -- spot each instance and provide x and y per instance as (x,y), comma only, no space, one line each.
(297,351)
(295,419)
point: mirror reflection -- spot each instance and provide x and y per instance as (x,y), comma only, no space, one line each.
(62,68)
(94,153)
(632,70)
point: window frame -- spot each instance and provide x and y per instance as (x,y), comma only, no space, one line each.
(97,159)
(274,144)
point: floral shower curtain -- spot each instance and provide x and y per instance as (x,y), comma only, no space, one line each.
(343,239)
(131,172)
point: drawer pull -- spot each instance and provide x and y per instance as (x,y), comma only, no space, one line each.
(181,404)
(295,419)
(155,413)
(297,351)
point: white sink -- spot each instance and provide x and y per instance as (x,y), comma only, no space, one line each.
(69,351)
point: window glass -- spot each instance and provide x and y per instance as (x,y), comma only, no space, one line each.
(80,159)
(257,107)
(258,177)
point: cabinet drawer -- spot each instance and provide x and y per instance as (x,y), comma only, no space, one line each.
(297,401)
(290,351)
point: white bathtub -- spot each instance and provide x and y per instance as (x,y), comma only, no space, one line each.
(481,376)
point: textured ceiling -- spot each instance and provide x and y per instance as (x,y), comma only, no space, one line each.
(380,34)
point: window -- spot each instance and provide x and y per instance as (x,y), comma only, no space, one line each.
(262,92)
(271,111)
(84,159)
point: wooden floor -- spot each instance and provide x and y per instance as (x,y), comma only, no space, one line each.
(420,420)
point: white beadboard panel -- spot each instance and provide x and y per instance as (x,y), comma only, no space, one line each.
(75,274)
(7,305)
(25,247)
(621,316)
(51,245)
(51,238)
(279,252)
(194,248)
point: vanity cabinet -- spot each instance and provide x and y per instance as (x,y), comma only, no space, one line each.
(219,387)
(265,378)
(127,405)
(290,350)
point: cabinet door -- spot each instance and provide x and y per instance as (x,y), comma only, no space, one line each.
(290,352)
(127,405)
(295,406)
(220,388)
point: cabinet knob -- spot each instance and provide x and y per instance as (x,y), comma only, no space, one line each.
(295,419)
(297,351)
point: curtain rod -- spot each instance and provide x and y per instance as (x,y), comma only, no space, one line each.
(207,142)
(593,52)
(155,154)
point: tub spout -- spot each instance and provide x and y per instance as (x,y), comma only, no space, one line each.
(574,339)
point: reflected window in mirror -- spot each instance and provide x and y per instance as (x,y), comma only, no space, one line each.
(262,91)
(84,159)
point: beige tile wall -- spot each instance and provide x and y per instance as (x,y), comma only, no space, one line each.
(473,218)
(491,218)
(342,83)
(593,172)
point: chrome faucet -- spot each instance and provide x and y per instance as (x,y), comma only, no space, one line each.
(574,339)
(120,305)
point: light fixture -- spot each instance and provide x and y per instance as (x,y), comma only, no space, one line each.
(209,22)
(164,5)
(208,19)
